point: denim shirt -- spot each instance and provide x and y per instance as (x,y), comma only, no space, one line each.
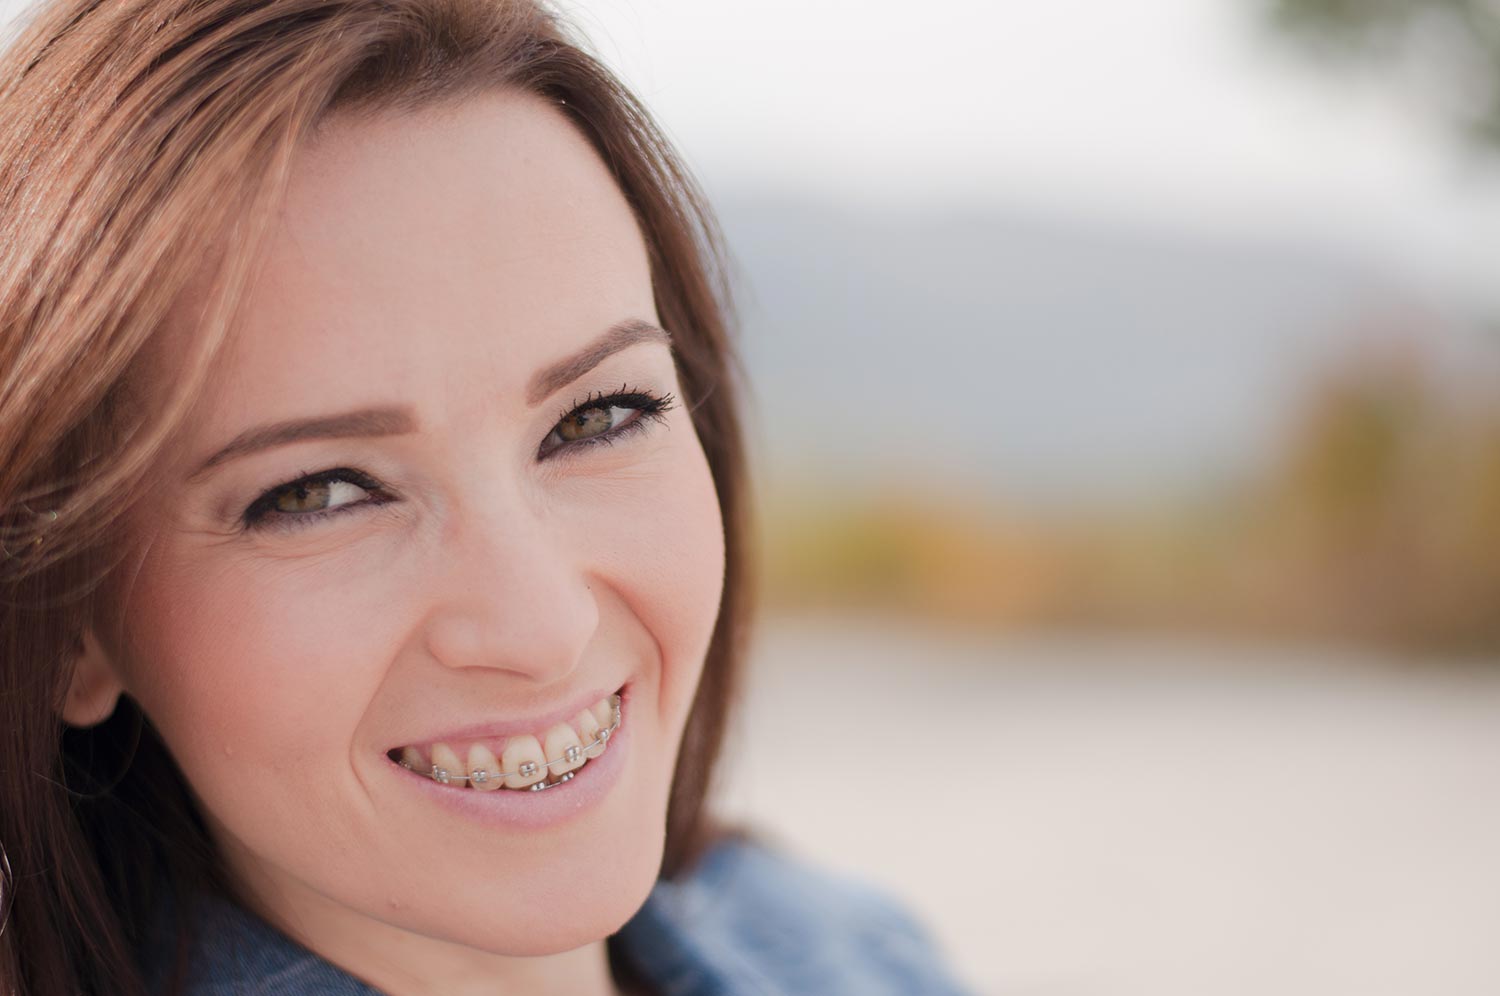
(747,921)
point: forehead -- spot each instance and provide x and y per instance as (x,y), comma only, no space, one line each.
(473,241)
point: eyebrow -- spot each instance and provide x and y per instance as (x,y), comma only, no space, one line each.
(395,421)
(545,382)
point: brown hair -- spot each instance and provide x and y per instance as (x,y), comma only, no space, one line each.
(138,133)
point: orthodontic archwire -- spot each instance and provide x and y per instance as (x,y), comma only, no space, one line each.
(529,768)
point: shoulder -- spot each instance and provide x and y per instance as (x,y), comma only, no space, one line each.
(232,952)
(751,918)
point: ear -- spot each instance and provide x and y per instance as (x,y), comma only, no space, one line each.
(95,689)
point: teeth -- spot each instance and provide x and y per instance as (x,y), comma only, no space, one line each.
(484,769)
(562,742)
(445,764)
(523,763)
(604,711)
(588,729)
(523,755)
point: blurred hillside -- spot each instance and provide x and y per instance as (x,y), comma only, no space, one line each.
(1010,420)
(1380,524)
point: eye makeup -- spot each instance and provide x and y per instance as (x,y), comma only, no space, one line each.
(595,420)
(648,407)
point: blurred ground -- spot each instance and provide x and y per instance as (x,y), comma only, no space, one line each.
(1091,815)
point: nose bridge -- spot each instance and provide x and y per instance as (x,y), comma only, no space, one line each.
(511,593)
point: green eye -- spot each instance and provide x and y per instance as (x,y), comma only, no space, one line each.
(313,497)
(307,497)
(605,419)
(588,422)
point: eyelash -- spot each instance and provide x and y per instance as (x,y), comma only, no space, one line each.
(260,514)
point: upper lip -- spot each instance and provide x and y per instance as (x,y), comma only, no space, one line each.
(536,724)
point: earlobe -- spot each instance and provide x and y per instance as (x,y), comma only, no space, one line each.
(95,688)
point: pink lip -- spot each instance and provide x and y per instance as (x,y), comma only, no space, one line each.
(535,810)
(492,729)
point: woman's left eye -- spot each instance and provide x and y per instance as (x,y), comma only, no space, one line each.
(313,497)
(605,419)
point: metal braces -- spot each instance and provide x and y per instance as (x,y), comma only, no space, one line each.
(528,768)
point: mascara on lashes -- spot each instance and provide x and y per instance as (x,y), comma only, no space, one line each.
(259,514)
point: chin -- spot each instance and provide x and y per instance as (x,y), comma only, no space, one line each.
(580,909)
(592,878)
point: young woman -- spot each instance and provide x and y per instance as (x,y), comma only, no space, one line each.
(372,496)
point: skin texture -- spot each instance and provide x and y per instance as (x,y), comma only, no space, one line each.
(437,261)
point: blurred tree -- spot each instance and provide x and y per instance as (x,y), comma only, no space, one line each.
(1456,42)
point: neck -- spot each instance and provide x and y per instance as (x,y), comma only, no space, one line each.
(406,964)
(401,962)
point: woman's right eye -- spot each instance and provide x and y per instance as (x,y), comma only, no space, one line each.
(312,497)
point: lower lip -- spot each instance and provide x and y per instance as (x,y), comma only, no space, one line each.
(536,810)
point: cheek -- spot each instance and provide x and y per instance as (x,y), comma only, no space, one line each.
(658,542)
(262,680)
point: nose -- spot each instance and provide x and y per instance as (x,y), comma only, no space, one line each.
(510,594)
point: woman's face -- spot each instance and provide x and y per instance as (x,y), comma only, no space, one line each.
(465,566)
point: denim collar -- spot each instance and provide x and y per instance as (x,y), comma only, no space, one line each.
(746,921)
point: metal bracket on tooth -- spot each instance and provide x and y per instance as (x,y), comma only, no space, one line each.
(529,768)
(539,786)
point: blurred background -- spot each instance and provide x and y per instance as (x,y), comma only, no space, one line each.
(1127,428)
(1126,425)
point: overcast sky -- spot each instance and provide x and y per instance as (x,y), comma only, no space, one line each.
(1184,112)
(1187,112)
